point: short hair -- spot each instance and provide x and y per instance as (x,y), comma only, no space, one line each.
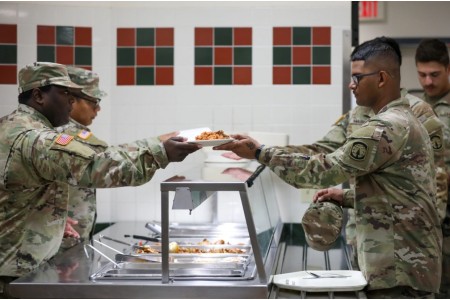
(385,51)
(432,50)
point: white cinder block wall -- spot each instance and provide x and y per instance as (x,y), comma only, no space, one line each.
(305,112)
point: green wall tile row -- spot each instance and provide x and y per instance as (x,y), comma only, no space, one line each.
(302,55)
(8,53)
(65,45)
(223,56)
(145,56)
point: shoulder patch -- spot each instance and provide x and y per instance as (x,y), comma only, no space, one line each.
(436,142)
(358,151)
(63,139)
(84,134)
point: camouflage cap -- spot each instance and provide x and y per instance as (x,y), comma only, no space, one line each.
(43,74)
(88,80)
(322,223)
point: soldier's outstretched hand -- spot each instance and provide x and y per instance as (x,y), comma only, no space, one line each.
(242,145)
(177,149)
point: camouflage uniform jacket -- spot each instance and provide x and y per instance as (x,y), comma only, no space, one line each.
(397,225)
(353,120)
(33,160)
(441,107)
(82,201)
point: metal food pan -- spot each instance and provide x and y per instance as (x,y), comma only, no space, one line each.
(181,261)
(203,249)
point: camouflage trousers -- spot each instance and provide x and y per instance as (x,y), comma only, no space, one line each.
(4,287)
(399,292)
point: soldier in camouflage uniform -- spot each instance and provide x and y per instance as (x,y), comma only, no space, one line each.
(433,69)
(34,158)
(391,160)
(82,201)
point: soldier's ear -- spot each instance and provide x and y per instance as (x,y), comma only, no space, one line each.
(37,96)
(383,78)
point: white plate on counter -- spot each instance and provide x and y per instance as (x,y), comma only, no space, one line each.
(329,281)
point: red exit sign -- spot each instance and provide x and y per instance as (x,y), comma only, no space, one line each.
(371,11)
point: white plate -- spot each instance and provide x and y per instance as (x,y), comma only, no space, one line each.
(211,143)
(302,281)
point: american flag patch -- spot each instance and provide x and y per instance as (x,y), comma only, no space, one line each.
(63,139)
(84,134)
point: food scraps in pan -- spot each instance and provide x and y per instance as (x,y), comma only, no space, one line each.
(175,248)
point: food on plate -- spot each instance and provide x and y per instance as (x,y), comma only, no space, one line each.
(212,135)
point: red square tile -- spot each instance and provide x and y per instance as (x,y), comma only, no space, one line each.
(301,55)
(126,36)
(321,75)
(126,75)
(203,75)
(64,55)
(203,36)
(8,74)
(164,36)
(83,36)
(145,56)
(321,35)
(243,36)
(282,75)
(282,36)
(223,56)
(8,33)
(164,76)
(46,35)
(242,75)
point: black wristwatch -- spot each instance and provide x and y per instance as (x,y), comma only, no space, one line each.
(258,151)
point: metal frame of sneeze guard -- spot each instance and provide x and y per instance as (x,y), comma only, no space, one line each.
(186,190)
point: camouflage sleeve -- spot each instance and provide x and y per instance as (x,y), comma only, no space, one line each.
(360,155)
(436,132)
(349,198)
(332,140)
(77,164)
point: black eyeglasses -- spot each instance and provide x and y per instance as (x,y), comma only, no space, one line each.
(357,77)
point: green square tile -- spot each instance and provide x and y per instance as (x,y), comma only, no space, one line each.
(301,75)
(301,35)
(223,36)
(64,35)
(8,54)
(243,56)
(145,36)
(223,75)
(282,55)
(46,53)
(125,56)
(145,76)
(83,56)
(321,55)
(164,56)
(203,56)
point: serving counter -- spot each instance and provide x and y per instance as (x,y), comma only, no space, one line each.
(230,255)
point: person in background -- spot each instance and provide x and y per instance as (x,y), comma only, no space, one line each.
(82,201)
(35,158)
(390,157)
(433,70)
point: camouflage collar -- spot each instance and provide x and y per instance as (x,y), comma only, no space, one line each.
(402,101)
(72,122)
(435,100)
(34,114)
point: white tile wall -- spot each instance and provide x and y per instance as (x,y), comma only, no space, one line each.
(133,112)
